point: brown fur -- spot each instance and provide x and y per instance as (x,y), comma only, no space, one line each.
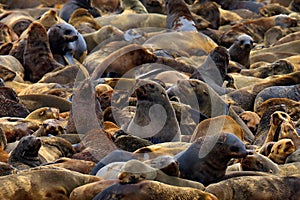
(81,166)
(43,183)
(175,10)
(38,59)
(83,21)
(288,131)
(256,187)
(211,125)
(49,18)
(152,190)
(245,97)
(281,150)
(89,191)
(251,119)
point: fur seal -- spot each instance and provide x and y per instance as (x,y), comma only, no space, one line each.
(179,17)
(152,190)
(43,183)
(277,118)
(83,21)
(66,42)
(72,5)
(10,105)
(209,127)
(38,59)
(25,155)
(90,190)
(281,149)
(132,6)
(256,187)
(287,130)
(205,152)
(154,118)
(289,91)
(258,162)
(134,171)
(245,97)
(251,119)
(278,67)
(239,51)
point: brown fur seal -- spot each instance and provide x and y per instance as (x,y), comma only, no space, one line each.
(38,59)
(278,67)
(154,118)
(258,162)
(25,155)
(281,150)
(49,18)
(245,97)
(239,51)
(206,152)
(287,130)
(83,21)
(209,127)
(10,105)
(277,118)
(289,91)
(152,190)
(132,6)
(251,119)
(81,166)
(134,171)
(73,5)
(43,183)
(90,190)
(256,187)
(179,17)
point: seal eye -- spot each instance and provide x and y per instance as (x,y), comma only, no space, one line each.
(68,32)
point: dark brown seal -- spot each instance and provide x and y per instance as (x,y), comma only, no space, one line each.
(210,156)
(25,155)
(38,59)
(154,118)
(152,190)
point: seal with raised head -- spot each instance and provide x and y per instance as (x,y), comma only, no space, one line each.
(26,154)
(281,150)
(66,42)
(155,117)
(206,159)
(38,59)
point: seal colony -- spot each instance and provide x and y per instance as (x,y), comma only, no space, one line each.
(149,99)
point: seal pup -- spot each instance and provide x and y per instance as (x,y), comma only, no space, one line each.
(152,190)
(287,130)
(26,153)
(195,163)
(179,17)
(239,51)
(69,7)
(155,118)
(38,59)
